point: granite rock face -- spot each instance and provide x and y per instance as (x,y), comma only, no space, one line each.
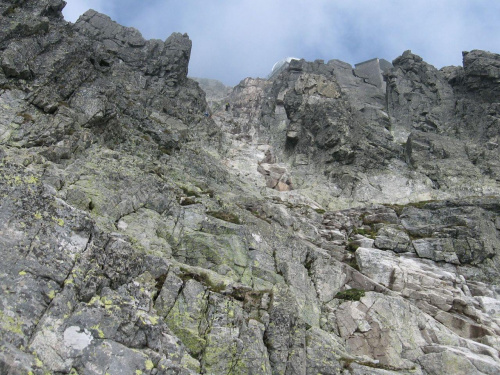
(430,135)
(325,221)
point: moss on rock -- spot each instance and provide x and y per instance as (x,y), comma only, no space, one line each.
(351,294)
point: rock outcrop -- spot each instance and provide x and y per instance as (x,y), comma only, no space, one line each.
(324,221)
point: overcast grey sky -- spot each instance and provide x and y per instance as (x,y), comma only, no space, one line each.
(234,39)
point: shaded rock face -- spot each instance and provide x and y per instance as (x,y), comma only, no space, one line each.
(432,134)
(453,115)
(139,236)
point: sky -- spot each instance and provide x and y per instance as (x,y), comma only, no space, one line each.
(235,39)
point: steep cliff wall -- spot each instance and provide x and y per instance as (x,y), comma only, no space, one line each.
(431,135)
(290,232)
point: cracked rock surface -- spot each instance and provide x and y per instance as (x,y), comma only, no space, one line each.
(313,223)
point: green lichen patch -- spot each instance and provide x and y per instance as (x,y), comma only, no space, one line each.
(58,221)
(351,294)
(184,326)
(97,330)
(10,324)
(149,365)
(205,250)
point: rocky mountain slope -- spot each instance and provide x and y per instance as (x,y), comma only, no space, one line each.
(330,220)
